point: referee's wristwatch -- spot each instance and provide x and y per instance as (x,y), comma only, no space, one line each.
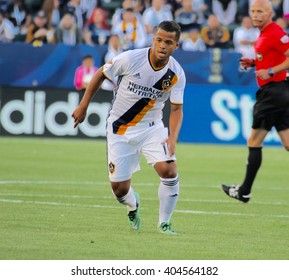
(270,72)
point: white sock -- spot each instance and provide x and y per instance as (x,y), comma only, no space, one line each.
(168,197)
(129,199)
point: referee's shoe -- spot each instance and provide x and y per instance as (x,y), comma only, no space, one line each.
(233,191)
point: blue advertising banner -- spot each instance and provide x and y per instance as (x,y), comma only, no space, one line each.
(218,114)
(212,114)
(218,103)
(50,66)
(54,65)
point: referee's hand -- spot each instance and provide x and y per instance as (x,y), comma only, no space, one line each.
(262,74)
(246,62)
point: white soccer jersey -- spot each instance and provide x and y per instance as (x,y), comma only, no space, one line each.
(141,89)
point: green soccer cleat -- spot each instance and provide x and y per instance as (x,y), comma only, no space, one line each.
(165,227)
(133,216)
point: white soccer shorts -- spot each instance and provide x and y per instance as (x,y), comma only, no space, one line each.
(124,151)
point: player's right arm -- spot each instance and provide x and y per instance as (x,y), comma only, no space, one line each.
(95,83)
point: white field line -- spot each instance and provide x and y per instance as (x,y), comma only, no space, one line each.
(105,183)
(145,198)
(57,203)
(46,182)
(81,183)
(230,214)
(195,212)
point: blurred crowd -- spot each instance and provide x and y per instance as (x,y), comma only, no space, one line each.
(205,23)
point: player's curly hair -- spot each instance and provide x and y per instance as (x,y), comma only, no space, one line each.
(170,26)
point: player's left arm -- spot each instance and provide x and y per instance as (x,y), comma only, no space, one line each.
(176,118)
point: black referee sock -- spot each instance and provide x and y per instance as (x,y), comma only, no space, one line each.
(253,165)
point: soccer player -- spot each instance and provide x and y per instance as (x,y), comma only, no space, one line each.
(271,108)
(145,78)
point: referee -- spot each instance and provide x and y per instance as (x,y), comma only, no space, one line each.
(272,98)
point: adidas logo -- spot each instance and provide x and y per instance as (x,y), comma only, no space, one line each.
(137,75)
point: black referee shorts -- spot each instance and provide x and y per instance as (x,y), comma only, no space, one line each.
(272,106)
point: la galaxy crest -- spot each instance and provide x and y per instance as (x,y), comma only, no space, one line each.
(166,83)
(111,167)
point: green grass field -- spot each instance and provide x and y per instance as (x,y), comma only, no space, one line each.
(56,203)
